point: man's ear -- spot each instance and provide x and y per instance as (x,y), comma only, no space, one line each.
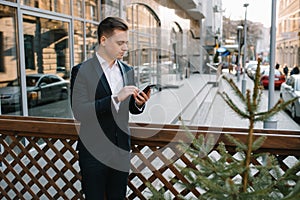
(102,40)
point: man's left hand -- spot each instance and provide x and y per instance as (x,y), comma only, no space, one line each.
(141,98)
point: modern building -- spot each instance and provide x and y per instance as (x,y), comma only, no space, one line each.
(49,37)
(258,37)
(288,33)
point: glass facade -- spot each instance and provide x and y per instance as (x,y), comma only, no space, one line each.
(9,64)
(59,6)
(41,40)
(144,45)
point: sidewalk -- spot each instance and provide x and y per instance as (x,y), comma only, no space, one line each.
(196,107)
(165,106)
(222,115)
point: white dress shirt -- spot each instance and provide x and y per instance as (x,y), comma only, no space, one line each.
(114,78)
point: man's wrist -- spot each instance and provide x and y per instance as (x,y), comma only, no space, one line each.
(116,99)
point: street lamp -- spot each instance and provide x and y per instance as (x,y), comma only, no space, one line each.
(239,28)
(271,123)
(245,51)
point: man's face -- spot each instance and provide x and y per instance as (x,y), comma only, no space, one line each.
(116,45)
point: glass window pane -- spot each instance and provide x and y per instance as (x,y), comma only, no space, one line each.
(77,8)
(10,1)
(91,10)
(78,42)
(143,46)
(10,92)
(91,39)
(47,64)
(110,8)
(59,6)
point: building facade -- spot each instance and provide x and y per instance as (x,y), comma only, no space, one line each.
(49,37)
(288,33)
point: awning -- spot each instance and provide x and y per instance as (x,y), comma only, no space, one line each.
(221,50)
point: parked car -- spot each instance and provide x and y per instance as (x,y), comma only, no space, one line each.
(251,62)
(41,88)
(251,69)
(289,90)
(278,79)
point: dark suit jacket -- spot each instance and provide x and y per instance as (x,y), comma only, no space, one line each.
(103,130)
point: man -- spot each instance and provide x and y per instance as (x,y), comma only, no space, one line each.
(286,70)
(103,93)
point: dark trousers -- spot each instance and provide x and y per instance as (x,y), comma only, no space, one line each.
(100,181)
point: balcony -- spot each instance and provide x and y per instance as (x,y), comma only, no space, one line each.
(38,159)
(187,4)
(192,7)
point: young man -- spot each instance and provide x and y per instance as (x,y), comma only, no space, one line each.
(103,94)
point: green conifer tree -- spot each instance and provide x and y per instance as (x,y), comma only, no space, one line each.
(235,178)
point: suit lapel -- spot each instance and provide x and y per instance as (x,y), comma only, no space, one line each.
(123,72)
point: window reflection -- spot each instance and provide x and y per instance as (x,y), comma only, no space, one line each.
(59,6)
(91,39)
(10,96)
(144,46)
(78,42)
(91,10)
(109,8)
(11,0)
(77,8)
(47,65)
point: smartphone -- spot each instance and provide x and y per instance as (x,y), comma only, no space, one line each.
(147,88)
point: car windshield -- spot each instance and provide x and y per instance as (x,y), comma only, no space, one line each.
(297,86)
(31,81)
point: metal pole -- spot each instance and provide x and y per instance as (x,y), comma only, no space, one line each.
(271,123)
(239,28)
(245,51)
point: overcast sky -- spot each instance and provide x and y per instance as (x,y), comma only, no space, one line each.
(257,11)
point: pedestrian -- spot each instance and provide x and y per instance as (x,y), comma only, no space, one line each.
(103,94)
(285,70)
(295,70)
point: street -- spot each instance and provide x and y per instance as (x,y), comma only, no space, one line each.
(283,116)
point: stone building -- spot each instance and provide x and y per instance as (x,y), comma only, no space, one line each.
(288,33)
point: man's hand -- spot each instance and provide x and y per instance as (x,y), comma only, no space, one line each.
(141,98)
(126,92)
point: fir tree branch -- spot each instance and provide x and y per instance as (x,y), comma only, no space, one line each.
(235,88)
(256,83)
(233,106)
(280,105)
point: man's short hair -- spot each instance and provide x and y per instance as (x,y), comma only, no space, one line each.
(109,24)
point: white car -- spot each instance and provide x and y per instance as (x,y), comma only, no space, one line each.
(289,90)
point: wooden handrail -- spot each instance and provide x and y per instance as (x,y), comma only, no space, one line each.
(56,154)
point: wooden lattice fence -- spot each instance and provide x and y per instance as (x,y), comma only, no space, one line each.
(38,158)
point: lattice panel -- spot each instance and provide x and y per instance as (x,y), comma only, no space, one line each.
(43,164)
(148,165)
(39,168)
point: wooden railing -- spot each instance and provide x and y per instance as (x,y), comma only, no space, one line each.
(38,158)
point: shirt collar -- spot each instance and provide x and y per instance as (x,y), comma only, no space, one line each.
(104,64)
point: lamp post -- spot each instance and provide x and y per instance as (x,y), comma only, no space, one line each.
(271,123)
(245,51)
(239,28)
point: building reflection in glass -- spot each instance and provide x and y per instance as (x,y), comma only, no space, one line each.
(10,97)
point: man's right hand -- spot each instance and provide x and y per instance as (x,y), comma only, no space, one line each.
(126,92)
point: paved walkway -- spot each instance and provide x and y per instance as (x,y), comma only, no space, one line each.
(187,101)
(165,106)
